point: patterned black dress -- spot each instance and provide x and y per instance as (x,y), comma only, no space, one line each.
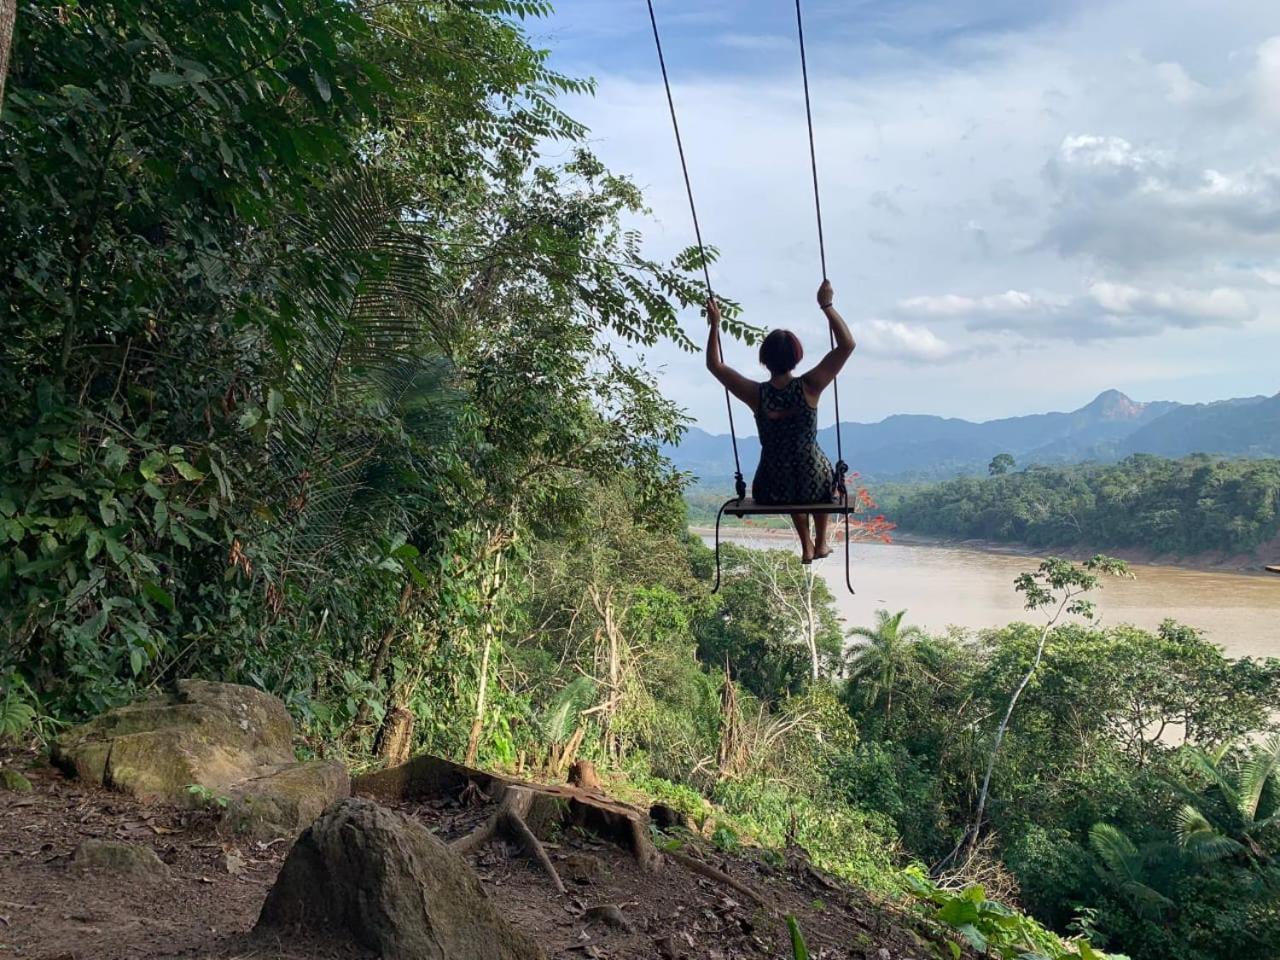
(793,468)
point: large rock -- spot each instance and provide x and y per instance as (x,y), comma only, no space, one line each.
(365,874)
(234,741)
(286,801)
(117,859)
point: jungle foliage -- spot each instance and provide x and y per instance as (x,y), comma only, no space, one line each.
(1182,507)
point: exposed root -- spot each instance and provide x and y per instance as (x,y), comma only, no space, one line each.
(509,821)
(711,873)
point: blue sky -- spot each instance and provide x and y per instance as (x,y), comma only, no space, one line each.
(1026,202)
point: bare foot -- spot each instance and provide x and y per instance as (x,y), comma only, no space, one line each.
(806,556)
(821,551)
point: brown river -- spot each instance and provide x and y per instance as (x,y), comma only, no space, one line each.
(943,585)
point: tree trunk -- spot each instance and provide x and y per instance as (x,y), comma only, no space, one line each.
(811,625)
(383,653)
(8,23)
(490,595)
(395,739)
(729,754)
(976,829)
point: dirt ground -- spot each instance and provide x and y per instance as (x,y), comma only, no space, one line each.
(51,909)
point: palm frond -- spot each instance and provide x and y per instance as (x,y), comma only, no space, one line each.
(361,381)
(1253,778)
(1126,867)
(1201,839)
(1116,851)
(561,715)
(1209,766)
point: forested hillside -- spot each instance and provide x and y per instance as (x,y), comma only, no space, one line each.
(310,378)
(1174,507)
(1111,426)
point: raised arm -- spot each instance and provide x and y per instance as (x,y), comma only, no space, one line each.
(817,379)
(748,391)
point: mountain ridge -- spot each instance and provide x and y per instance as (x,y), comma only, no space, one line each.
(1109,427)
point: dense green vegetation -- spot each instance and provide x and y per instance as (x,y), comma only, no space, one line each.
(1168,506)
(310,361)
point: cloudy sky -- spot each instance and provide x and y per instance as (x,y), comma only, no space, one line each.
(1026,201)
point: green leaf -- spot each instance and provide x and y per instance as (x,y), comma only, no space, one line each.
(959,912)
(116,549)
(160,78)
(151,465)
(159,594)
(187,471)
(275,401)
(115,458)
(322,87)
(799,950)
(135,660)
(974,936)
(67,448)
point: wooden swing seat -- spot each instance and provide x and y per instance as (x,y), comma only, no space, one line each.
(746,507)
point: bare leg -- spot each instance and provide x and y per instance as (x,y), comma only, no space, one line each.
(820,546)
(801,521)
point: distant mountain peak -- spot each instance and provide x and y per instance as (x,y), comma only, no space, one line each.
(1114,405)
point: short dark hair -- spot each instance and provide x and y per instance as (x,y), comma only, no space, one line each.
(780,351)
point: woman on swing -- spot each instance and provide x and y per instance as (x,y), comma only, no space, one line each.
(793,469)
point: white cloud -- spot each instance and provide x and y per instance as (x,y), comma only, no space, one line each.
(1105,311)
(756,42)
(892,340)
(1266,79)
(1130,207)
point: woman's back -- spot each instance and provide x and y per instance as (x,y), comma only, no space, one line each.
(793,469)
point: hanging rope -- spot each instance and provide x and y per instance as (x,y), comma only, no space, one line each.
(841,468)
(739,483)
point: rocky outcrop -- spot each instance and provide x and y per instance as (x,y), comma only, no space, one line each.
(234,742)
(117,859)
(365,874)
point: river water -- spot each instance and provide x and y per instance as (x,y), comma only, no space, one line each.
(940,586)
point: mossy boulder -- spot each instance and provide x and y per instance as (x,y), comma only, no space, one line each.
(13,781)
(285,802)
(365,874)
(232,740)
(117,859)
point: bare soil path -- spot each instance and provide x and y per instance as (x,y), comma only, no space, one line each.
(215,886)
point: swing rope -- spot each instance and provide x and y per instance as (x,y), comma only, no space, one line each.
(740,485)
(841,468)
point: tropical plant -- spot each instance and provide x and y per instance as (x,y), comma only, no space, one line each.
(1248,804)
(993,929)
(875,665)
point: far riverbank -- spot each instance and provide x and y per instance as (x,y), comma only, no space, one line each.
(1209,562)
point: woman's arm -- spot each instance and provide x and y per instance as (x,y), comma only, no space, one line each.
(820,376)
(748,391)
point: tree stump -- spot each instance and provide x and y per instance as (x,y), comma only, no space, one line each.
(583,775)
